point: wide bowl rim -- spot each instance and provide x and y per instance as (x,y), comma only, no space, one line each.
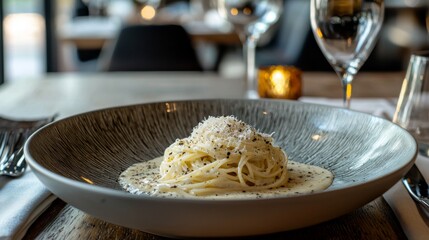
(35,166)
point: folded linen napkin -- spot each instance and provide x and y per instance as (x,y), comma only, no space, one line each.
(414,221)
(22,200)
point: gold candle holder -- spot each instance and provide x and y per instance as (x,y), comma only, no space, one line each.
(279,82)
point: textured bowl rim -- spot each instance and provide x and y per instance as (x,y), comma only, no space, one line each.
(118,193)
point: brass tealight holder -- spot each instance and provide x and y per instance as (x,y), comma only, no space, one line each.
(278,81)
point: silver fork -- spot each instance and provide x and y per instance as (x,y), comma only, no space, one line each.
(417,187)
(12,161)
(13,134)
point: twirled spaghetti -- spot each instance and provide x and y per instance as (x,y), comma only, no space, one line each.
(222,155)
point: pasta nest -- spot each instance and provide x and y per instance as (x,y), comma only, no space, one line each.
(224,154)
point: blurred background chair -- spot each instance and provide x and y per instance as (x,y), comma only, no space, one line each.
(151,48)
(84,55)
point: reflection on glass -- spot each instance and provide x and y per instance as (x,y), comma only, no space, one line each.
(412,111)
(346,32)
(251,19)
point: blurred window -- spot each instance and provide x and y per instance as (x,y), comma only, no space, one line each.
(24,39)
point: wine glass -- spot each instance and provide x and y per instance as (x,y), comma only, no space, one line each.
(251,19)
(346,32)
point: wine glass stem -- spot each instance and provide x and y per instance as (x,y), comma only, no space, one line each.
(346,82)
(249,48)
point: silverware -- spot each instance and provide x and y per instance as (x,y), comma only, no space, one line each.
(417,187)
(13,134)
(414,182)
(12,161)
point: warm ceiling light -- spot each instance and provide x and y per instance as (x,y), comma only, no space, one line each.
(148,12)
(234,11)
(247,11)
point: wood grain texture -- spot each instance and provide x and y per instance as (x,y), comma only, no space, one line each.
(373,221)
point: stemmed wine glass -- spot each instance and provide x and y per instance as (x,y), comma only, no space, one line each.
(251,19)
(346,31)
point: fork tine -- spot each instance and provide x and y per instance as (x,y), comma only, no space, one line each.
(13,138)
(16,139)
(16,166)
(4,135)
(8,141)
(14,142)
(11,161)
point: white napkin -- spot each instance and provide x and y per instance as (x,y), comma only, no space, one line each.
(22,200)
(413,221)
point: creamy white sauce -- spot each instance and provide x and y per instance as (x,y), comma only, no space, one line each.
(142,178)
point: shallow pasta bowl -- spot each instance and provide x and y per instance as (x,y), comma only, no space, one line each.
(80,158)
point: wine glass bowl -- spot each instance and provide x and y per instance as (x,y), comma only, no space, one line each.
(346,32)
(251,19)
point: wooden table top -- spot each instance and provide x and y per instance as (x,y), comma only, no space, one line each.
(69,94)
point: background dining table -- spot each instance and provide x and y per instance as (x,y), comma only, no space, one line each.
(72,93)
(94,32)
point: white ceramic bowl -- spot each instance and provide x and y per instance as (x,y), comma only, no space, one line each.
(80,158)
